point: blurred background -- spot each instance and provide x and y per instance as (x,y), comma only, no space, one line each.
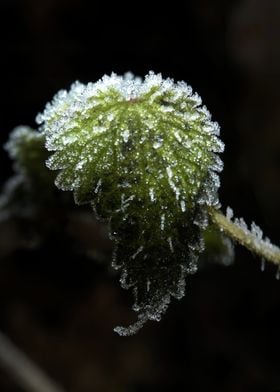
(59,306)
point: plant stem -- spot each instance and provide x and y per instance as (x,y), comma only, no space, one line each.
(22,370)
(245,237)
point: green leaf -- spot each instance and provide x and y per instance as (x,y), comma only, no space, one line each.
(143,153)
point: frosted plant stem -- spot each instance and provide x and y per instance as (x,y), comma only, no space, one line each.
(245,237)
(22,370)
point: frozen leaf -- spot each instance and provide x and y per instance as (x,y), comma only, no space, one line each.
(32,185)
(27,149)
(143,153)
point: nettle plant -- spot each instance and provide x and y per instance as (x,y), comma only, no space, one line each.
(144,155)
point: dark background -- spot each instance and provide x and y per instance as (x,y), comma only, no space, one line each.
(61,308)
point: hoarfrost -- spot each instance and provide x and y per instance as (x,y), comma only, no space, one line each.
(183,205)
(256,231)
(110,117)
(125,135)
(255,239)
(139,250)
(99,183)
(132,329)
(164,156)
(169,240)
(177,136)
(229,213)
(169,172)
(241,223)
(158,142)
(152,194)
(162,221)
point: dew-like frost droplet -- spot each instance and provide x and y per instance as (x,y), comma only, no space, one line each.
(143,153)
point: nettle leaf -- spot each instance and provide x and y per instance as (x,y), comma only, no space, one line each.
(31,187)
(143,153)
(26,148)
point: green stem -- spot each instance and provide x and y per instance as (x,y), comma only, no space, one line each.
(245,237)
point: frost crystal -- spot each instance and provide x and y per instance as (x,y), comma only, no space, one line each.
(143,153)
(229,213)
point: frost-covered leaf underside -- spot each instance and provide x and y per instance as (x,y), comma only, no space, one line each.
(143,154)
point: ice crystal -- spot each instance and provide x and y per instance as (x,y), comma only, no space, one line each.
(254,236)
(143,153)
